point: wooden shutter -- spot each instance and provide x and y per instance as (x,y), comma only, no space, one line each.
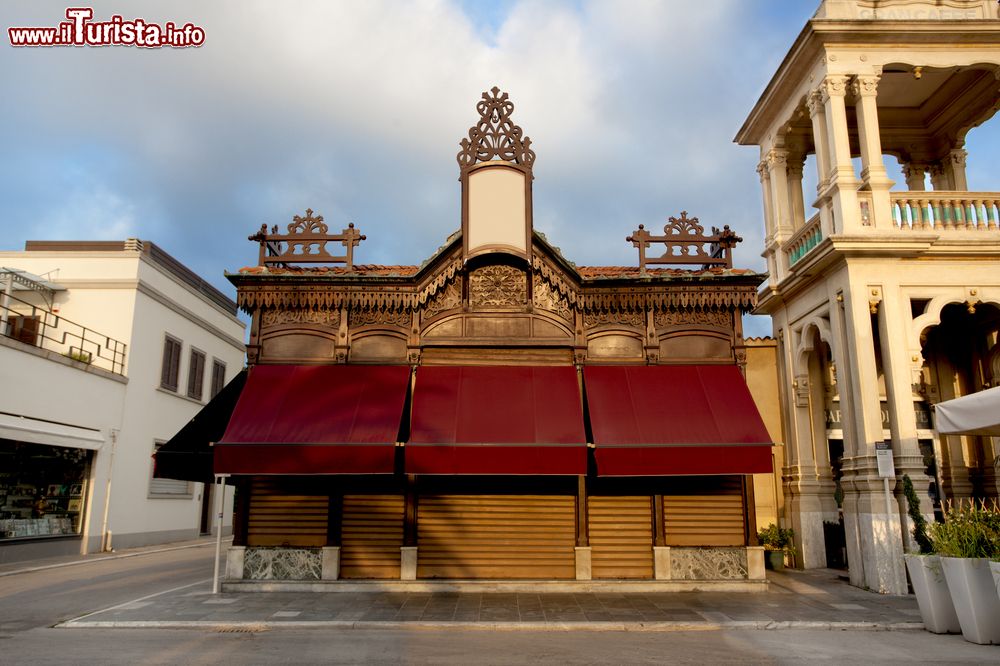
(496,536)
(218,377)
(280,518)
(196,374)
(621,536)
(371,536)
(707,512)
(170,369)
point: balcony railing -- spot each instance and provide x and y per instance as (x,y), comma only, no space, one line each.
(804,240)
(946,211)
(41,328)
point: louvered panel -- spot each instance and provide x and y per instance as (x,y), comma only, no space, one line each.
(371,536)
(621,536)
(496,536)
(706,519)
(278,518)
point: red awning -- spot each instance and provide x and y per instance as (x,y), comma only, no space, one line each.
(496,420)
(315,419)
(674,420)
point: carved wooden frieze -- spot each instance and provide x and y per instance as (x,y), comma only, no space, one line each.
(322,317)
(544,297)
(497,287)
(716,318)
(446,299)
(614,318)
(375,316)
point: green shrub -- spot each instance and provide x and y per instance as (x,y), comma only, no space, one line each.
(919,523)
(773,537)
(968,531)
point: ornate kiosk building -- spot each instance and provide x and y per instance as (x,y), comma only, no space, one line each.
(496,412)
(885,300)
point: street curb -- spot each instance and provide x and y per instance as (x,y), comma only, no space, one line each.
(120,556)
(662,627)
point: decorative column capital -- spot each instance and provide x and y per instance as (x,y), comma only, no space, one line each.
(914,170)
(834,85)
(762,170)
(936,169)
(815,103)
(777,158)
(958,156)
(865,85)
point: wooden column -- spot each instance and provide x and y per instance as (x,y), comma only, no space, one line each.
(582,531)
(241,512)
(659,533)
(410,512)
(335,518)
(749,512)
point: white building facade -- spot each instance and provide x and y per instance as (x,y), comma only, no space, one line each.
(107,349)
(885,299)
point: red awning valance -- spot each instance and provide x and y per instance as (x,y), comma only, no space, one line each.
(675,419)
(496,420)
(315,419)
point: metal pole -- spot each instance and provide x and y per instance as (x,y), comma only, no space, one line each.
(220,489)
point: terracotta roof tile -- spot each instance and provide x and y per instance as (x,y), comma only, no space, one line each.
(597,272)
(358,269)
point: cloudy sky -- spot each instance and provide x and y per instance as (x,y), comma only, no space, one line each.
(355,109)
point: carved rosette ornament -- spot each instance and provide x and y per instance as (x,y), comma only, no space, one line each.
(321,317)
(497,286)
(716,318)
(495,136)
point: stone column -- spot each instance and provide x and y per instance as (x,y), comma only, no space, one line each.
(915,174)
(873,173)
(939,176)
(817,113)
(842,185)
(873,535)
(955,169)
(777,162)
(797,208)
(894,318)
(776,266)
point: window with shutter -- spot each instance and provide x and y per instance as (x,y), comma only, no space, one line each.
(218,376)
(196,374)
(171,368)
(169,488)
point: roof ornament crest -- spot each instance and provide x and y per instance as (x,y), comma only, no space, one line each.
(495,136)
(685,242)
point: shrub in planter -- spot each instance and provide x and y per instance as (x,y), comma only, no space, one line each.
(927,574)
(967,541)
(777,541)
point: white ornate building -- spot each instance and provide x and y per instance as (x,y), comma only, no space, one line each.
(885,299)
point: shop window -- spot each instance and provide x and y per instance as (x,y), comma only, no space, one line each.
(196,374)
(42,490)
(171,369)
(168,488)
(218,376)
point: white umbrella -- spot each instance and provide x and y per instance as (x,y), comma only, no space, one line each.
(973,414)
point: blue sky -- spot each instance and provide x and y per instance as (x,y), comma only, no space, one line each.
(355,109)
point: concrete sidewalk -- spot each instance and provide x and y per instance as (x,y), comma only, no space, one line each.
(796,599)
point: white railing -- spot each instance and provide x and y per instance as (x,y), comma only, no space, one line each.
(944,211)
(804,240)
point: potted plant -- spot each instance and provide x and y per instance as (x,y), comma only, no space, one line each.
(777,542)
(926,574)
(966,541)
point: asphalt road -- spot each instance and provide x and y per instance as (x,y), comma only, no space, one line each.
(31,603)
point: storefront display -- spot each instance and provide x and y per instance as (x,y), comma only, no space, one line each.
(42,490)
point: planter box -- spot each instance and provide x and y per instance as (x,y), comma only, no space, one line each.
(995,570)
(774,559)
(933,598)
(975,597)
